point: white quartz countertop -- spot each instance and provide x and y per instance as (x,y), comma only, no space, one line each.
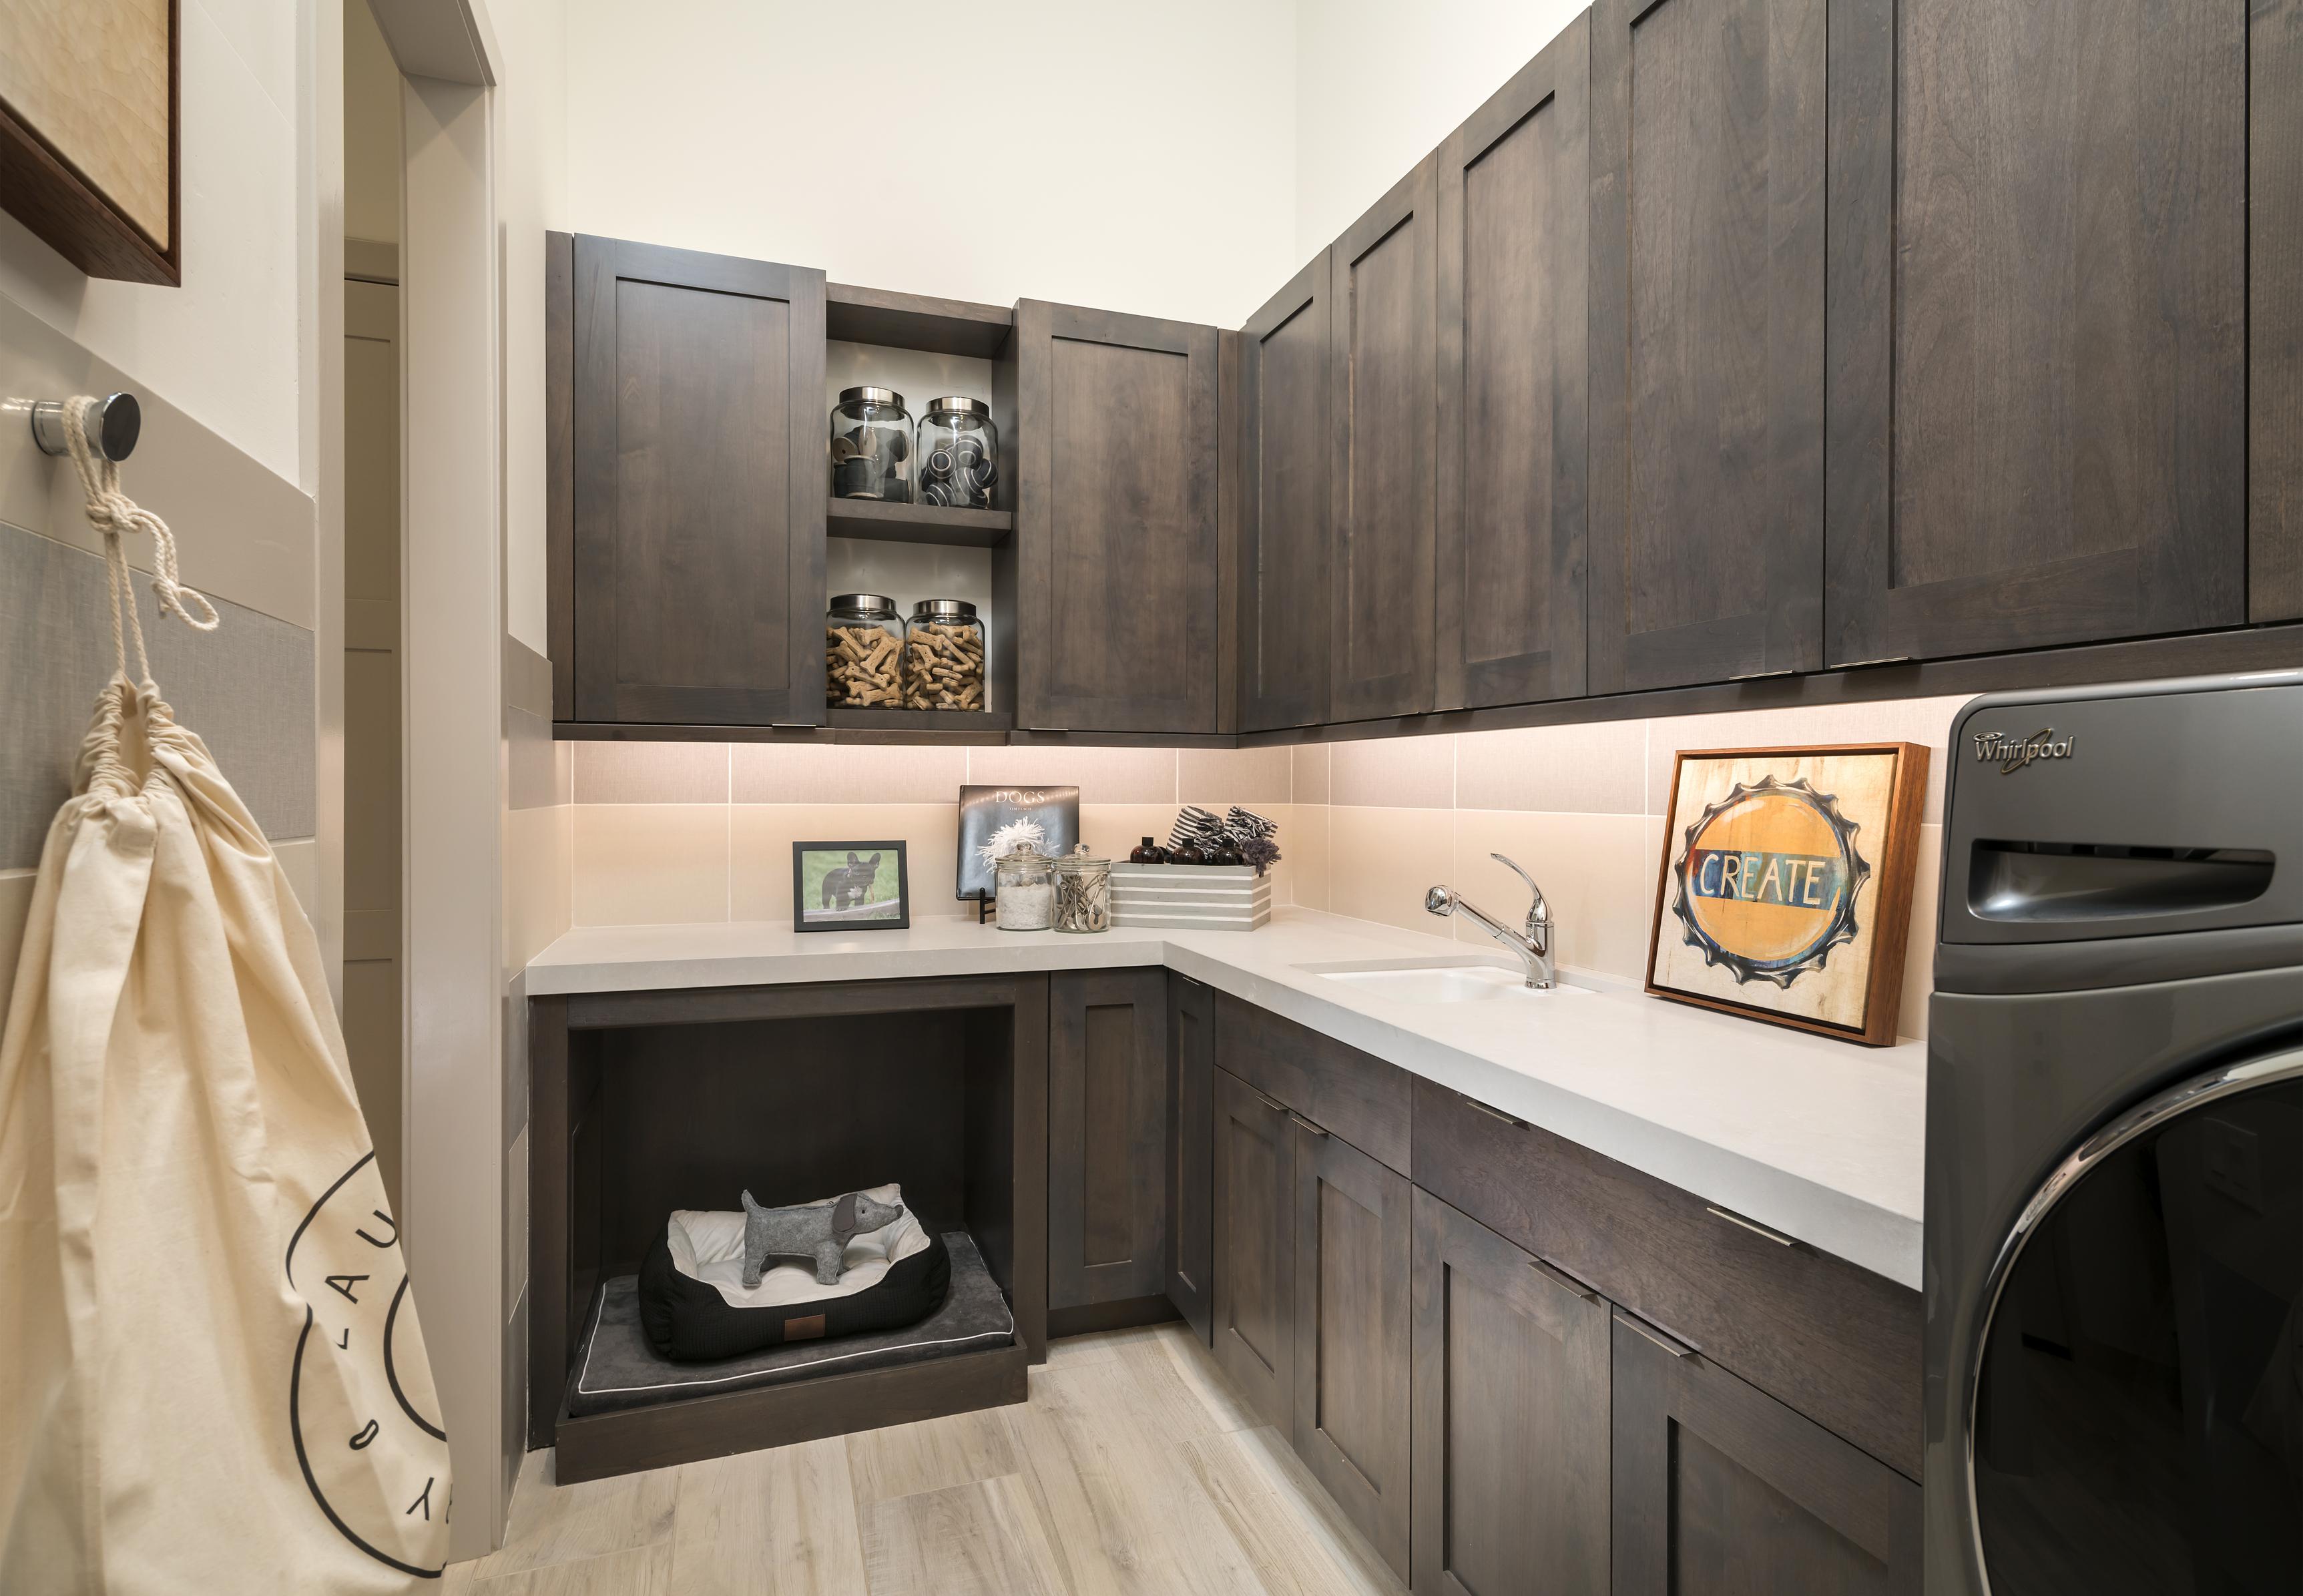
(1821,1139)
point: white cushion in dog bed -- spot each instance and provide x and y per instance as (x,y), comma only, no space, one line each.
(708,1245)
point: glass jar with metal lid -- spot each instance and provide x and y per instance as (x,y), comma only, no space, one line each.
(872,446)
(1082,891)
(863,652)
(943,655)
(1024,887)
(959,454)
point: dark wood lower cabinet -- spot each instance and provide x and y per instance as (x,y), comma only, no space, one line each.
(1719,1487)
(1254,1291)
(1107,1144)
(1511,1418)
(1354,1270)
(1190,1136)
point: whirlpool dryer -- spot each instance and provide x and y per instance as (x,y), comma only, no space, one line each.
(2115,1189)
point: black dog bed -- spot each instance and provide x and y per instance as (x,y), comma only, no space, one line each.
(695,1308)
(616,1368)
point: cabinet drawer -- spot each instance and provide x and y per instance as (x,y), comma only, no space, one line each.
(1365,1101)
(1835,1342)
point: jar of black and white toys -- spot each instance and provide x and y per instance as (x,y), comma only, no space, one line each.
(959,454)
(872,446)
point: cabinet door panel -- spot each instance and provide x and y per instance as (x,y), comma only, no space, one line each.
(1191,1132)
(1285,507)
(1706,340)
(1255,1249)
(1353,1279)
(1511,1418)
(1720,1488)
(1107,1136)
(1382,390)
(699,487)
(2274,321)
(1514,195)
(1116,522)
(2038,363)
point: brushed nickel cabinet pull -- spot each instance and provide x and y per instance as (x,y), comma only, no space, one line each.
(1763,675)
(1270,1101)
(1640,1326)
(1753,1226)
(1306,1124)
(1492,1113)
(1884,659)
(1562,1280)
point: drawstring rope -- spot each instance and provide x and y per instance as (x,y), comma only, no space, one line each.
(112,512)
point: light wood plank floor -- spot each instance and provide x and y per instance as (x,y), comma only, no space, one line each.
(1135,1470)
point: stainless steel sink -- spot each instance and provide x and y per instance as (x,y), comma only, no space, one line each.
(1449,984)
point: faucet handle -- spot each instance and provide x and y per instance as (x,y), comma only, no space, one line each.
(1538,912)
(1439,900)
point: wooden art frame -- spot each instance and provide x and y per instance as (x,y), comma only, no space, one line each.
(43,185)
(1785,889)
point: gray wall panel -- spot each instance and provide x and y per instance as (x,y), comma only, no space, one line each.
(247,689)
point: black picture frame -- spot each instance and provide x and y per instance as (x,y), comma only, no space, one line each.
(811,906)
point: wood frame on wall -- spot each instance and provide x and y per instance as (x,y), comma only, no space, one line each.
(1894,887)
(69,213)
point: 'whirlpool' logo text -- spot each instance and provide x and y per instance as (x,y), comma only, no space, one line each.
(2012,754)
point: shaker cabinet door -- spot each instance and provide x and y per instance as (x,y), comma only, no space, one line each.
(1116,522)
(1381,420)
(1285,507)
(1510,1420)
(1191,1149)
(1353,1279)
(1720,1487)
(2039,277)
(1107,1136)
(1513,194)
(1708,276)
(1255,1249)
(698,489)
(2275,311)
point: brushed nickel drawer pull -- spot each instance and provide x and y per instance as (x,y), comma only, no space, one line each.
(1763,675)
(1306,1124)
(1753,1226)
(1640,1326)
(1562,1280)
(1475,1103)
(1270,1101)
(1884,659)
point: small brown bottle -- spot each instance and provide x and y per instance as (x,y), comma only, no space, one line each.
(1148,853)
(1187,854)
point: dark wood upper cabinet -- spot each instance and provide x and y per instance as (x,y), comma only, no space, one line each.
(1708,280)
(1285,500)
(1513,198)
(1116,522)
(1107,1136)
(1720,1488)
(1191,1150)
(1353,1279)
(698,487)
(2274,321)
(1382,421)
(2038,297)
(1254,1295)
(1511,1418)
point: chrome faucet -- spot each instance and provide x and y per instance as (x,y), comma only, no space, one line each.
(1533,946)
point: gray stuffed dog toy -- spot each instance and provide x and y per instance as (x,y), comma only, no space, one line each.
(820,1231)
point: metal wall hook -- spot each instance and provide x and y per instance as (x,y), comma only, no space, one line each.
(113,423)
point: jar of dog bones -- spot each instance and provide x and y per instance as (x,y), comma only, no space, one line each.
(863,652)
(943,655)
(1025,888)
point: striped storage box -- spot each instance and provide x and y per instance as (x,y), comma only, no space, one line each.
(1190,896)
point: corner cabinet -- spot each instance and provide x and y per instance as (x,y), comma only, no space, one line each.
(1286,511)
(1117,526)
(1707,277)
(696,502)
(1514,420)
(2039,277)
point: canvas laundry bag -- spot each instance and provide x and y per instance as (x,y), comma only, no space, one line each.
(211,1375)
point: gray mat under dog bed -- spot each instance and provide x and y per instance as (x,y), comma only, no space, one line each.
(617,1368)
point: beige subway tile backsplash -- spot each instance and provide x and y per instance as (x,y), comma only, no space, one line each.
(1596,769)
(760,839)
(1393,773)
(1899,720)
(1103,775)
(1380,863)
(843,773)
(1255,777)
(1312,762)
(650,864)
(1593,871)
(616,773)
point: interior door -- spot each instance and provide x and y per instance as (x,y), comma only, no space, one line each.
(2137,1416)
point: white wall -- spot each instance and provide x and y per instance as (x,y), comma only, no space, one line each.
(223,347)
(1134,158)
(530,105)
(371,129)
(1379,85)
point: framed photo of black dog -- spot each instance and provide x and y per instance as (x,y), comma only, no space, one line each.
(851,886)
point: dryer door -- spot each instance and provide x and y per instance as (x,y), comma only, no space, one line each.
(2136,1415)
